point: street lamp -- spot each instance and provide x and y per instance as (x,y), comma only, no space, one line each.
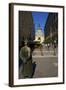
(54,47)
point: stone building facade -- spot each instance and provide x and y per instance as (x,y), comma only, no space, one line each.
(51,28)
(26,26)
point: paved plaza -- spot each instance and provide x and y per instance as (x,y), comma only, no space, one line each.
(46,61)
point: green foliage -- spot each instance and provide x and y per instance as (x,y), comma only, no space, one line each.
(48,40)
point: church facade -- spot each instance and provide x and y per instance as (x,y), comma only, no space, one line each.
(39,35)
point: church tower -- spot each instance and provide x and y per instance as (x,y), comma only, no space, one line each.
(39,35)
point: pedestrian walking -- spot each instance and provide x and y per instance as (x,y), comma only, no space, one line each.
(48,46)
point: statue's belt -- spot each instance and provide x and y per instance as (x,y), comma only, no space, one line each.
(27,60)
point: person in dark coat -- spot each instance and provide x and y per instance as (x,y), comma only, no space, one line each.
(25,55)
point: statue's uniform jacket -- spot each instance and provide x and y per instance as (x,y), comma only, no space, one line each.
(25,55)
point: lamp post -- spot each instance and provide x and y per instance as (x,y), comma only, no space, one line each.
(54,47)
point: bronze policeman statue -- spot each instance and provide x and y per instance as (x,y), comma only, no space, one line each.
(25,55)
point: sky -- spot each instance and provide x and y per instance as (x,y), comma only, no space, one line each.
(39,18)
